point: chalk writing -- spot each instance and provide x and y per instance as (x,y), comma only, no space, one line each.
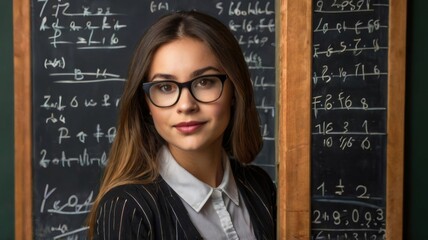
(82,160)
(76,98)
(348,105)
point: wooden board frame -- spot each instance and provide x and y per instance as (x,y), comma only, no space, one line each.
(395,119)
(23,130)
(294,106)
(294,96)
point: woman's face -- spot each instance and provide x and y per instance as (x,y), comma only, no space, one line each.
(189,125)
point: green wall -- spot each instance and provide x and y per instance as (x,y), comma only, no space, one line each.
(416,150)
(6,122)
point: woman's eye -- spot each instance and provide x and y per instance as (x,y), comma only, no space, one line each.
(166,87)
(205,82)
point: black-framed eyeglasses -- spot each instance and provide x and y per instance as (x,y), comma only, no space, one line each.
(166,93)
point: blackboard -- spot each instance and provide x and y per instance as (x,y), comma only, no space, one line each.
(341,119)
(79,56)
(349,105)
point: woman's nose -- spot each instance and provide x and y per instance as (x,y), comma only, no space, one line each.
(187,103)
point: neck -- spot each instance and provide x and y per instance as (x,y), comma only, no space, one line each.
(206,165)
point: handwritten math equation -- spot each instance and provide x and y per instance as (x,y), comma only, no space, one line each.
(354,212)
(348,108)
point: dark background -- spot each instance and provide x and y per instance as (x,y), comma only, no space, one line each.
(416,159)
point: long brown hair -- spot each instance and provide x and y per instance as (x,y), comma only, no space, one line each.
(132,157)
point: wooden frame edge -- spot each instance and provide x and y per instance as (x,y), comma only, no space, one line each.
(395,119)
(294,96)
(22,113)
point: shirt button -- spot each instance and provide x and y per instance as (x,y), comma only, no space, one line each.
(216,193)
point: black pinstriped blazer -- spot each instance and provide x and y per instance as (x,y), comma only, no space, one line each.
(155,211)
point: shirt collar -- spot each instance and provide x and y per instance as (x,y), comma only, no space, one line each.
(193,191)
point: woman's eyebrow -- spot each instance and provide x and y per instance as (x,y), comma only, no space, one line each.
(203,70)
(194,73)
(163,76)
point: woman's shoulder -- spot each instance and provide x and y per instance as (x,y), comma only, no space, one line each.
(128,211)
(133,193)
(250,172)
(255,181)
(140,211)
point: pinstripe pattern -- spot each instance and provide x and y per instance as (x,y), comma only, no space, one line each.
(155,211)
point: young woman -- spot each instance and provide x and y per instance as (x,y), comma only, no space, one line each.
(188,127)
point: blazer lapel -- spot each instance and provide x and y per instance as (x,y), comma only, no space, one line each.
(187,230)
(260,218)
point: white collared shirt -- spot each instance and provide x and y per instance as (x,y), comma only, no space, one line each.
(217,213)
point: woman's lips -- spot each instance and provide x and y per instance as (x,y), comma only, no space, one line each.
(188,127)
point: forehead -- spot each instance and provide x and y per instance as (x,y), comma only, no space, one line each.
(182,55)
